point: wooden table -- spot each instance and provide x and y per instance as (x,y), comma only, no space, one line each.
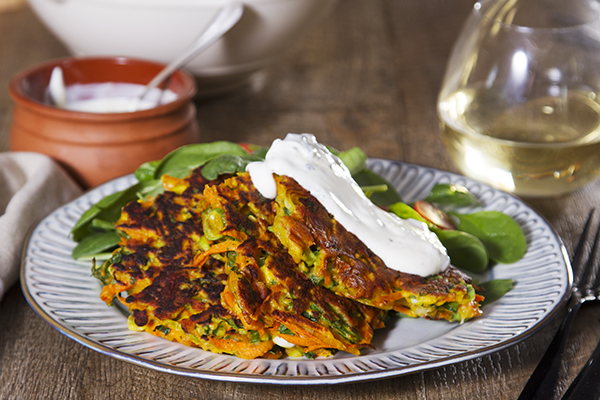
(367,77)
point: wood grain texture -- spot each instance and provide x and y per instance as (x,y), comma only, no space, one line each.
(367,76)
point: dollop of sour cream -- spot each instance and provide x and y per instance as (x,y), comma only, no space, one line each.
(113,97)
(404,245)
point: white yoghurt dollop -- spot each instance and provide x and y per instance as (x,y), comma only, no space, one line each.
(113,97)
(404,245)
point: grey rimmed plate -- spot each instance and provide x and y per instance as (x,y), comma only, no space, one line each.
(63,292)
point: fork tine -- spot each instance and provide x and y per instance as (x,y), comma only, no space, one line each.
(542,383)
(577,262)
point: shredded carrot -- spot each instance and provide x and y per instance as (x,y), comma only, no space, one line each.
(311,336)
(200,258)
(244,350)
(110,291)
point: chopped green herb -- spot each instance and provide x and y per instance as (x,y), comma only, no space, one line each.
(254,337)
(317,280)
(285,330)
(452,306)
(161,328)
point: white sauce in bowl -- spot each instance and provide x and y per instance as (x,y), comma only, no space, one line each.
(111,97)
(404,245)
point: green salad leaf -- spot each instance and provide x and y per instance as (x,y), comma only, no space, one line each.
(383,198)
(452,195)
(108,209)
(502,236)
(179,162)
(354,159)
(479,237)
(95,244)
(377,188)
(405,211)
(146,171)
(259,151)
(465,250)
(226,164)
(495,289)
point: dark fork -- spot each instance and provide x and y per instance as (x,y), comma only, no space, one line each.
(586,385)
(542,383)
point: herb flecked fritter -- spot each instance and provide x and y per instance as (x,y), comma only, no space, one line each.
(217,266)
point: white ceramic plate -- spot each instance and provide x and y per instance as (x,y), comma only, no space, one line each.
(62,292)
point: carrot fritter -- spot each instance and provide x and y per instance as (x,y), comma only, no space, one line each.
(217,278)
(338,260)
(218,266)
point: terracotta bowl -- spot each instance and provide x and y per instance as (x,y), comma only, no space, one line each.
(94,147)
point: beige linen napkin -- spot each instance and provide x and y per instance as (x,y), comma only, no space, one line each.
(31,186)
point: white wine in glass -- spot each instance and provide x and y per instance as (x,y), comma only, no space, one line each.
(519,105)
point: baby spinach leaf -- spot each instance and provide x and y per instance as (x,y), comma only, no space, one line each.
(259,151)
(451,194)
(501,235)
(354,159)
(108,209)
(100,224)
(147,189)
(366,177)
(226,164)
(405,211)
(465,250)
(333,150)
(146,171)
(95,244)
(495,289)
(80,227)
(179,162)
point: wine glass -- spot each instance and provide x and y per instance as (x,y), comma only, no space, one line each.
(520,101)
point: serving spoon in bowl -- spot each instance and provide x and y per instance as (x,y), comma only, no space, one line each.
(224,20)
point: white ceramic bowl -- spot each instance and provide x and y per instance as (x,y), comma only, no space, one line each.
(159,30)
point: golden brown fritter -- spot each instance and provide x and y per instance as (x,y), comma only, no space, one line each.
(214,276)
(218,266)
(338,260)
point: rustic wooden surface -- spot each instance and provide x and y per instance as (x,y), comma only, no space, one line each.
(368,76)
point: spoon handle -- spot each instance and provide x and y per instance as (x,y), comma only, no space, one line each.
(224,20)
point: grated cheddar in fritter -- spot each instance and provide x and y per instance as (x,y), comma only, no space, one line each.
(218,266)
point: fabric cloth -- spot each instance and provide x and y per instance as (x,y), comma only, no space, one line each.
(31,186)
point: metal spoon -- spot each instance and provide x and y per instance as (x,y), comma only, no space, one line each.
(225,19)
(56,88)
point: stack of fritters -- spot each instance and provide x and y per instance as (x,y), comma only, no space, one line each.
(218,266)
(336,259)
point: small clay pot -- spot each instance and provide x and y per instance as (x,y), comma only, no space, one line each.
(93,147)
